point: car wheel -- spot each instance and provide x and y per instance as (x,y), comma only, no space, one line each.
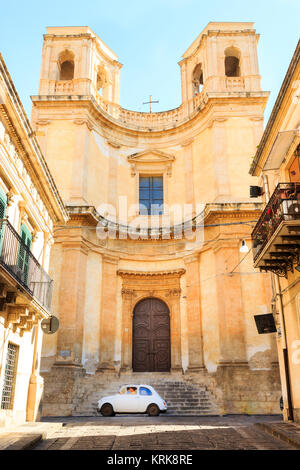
(107,410)
(153,410)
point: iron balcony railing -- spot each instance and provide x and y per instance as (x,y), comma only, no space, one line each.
(19,262)
(284,205)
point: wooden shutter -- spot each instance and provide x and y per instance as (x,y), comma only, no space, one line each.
(23,258)
(3,206)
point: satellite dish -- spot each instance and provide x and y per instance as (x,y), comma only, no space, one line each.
(50,325)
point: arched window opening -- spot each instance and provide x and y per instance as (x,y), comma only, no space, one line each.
(197,79)
(99,84)
(67,70)
(66,65)
(101,79)
(232,62)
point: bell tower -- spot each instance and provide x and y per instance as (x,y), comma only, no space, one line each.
(77,62)
(223,58)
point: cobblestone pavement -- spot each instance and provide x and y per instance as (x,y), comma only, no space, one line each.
(162,433)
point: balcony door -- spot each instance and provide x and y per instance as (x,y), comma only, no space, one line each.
(23,257)
(3,205)
(294,170)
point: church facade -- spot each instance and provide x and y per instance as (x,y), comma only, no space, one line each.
(150,285)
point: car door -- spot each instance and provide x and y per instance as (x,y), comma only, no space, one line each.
(128,402)
(146,398)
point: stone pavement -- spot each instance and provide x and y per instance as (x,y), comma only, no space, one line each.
(25,436)
(134,432)
(285,431)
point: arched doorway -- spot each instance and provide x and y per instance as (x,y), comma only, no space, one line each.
(151,336)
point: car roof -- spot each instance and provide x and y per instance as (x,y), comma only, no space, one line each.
(136,385)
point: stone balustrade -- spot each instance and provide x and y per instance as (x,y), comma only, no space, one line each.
(64,86)
(156,120)
(235,83)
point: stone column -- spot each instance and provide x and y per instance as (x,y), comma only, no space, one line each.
(41,132)
(175,326)
(71,303)
(195,337)
(258,127)
(113,175)
(230,307)
(184,87)
(80,162)
(108,313)
(119,325)
(189,173)
(221,175)
(184,324)
(92,309)
(127,317)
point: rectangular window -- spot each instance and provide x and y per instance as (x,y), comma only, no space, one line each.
(10,374)
(151,195)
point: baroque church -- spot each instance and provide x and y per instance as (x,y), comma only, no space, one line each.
(150,283)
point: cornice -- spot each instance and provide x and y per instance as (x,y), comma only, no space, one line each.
(198,42)
(173,273)
(187,128)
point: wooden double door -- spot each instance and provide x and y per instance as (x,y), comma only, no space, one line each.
(151,336)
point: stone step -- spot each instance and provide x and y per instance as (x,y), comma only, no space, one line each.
(182,397)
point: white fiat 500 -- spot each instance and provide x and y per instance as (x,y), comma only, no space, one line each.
(133,399)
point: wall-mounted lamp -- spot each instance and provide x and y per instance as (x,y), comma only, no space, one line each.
(244,248)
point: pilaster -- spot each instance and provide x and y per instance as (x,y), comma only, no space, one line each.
(71,302)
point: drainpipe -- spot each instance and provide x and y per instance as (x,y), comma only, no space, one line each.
(278,294)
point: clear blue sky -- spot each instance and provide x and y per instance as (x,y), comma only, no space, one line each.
(149,38)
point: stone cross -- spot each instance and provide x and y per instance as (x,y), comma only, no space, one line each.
(150,102)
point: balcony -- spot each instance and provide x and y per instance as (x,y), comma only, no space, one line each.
(276,236)
(18,261)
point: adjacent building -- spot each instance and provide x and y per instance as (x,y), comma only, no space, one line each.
(29,207)
(276,237)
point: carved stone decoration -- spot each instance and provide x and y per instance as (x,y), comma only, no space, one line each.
(173,292)
(128,292)
(20,317)
(80,122)
(138,286)
(149,161)
(174,273)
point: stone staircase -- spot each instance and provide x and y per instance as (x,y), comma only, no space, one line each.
(183,397)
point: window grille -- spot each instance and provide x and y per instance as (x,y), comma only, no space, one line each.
(9,377)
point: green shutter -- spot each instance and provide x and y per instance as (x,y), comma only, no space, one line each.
(23,258)
(3,205)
